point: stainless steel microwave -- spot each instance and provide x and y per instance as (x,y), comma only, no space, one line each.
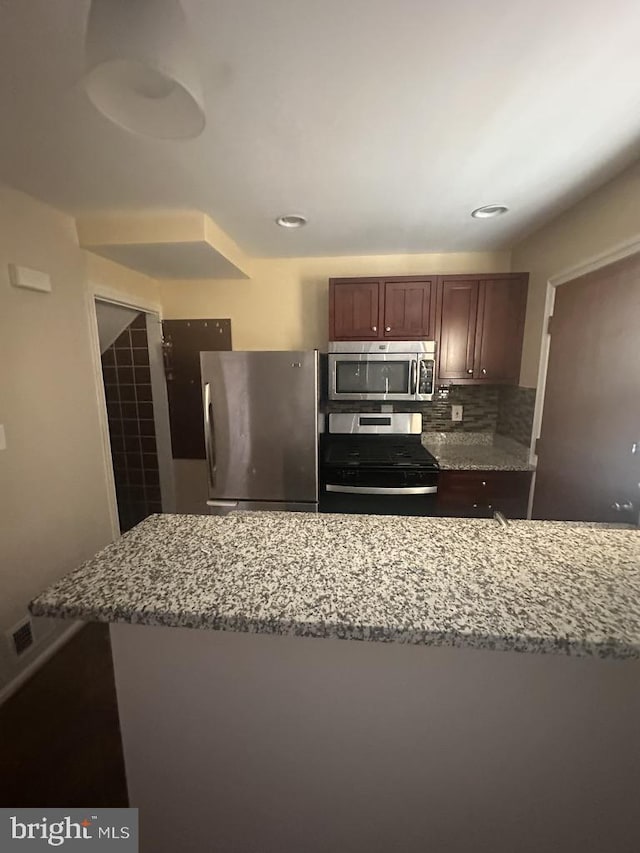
(382,370)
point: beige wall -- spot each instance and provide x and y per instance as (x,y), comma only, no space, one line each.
(412,748)
(105,275)
(53,493)
(597,224)
(285,304)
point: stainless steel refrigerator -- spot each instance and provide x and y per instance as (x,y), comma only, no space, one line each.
(261,430)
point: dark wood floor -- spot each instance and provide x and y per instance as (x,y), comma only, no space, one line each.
(60,736)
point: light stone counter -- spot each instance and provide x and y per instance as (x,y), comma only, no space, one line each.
(255,737)
(476,451)
(534,586)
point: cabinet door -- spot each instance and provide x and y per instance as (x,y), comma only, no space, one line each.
(409,309)
(458,315)
(502,305)
(354,310)
(481,493)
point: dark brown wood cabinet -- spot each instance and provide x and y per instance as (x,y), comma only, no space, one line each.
(481,493)
(354,309)
(397,308)
(480,328)
(457,319)
(476,320)
(409,308)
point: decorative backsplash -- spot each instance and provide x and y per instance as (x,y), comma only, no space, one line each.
(479,410)
(504,409)
(515,413)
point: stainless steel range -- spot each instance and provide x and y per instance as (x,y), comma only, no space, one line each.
(376,464)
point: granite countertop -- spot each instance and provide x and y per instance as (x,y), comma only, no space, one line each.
(533,586)
(476,451)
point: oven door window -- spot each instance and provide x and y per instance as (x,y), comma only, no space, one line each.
(372,377)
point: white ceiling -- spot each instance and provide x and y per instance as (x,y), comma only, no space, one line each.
(383,121)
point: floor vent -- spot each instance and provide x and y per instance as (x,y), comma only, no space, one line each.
(22,636)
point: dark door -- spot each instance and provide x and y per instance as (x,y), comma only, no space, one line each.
(502,304)
(184,340)
(591,419)
(458,315)
(409,309)
(354,310)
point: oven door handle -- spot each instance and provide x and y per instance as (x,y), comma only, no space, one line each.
(414,377)
(383,490)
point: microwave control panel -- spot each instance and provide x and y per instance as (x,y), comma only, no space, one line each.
(426,378)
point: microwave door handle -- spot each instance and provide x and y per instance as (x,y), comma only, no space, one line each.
(209,435)
(414,377)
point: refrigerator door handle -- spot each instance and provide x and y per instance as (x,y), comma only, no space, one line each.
(209,435)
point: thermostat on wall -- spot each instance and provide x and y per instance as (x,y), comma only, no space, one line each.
(31,279)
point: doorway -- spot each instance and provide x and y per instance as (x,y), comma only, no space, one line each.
(589,447)
(137,419)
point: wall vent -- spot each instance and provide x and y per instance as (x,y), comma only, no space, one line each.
(22,636)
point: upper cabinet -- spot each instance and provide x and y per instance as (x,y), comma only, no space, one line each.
(354,309)
(398,308)
(409,308)
(457,317)
(481,325)
(476,320)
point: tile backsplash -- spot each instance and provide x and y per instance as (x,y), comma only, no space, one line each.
(480,409)
(515,413)
(504,409)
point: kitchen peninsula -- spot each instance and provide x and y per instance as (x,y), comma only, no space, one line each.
(435,734)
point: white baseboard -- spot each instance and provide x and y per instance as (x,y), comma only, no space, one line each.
(24,675)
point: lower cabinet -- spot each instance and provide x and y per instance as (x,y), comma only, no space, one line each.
(478,494)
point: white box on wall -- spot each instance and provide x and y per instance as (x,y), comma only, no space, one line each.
(31,279)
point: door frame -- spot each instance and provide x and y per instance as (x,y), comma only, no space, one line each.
(603,259)
(153,313)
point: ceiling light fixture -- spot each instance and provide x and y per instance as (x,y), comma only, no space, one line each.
(488,211)
(140,71)
(291,220)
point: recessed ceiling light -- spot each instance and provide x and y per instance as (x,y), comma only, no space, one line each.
(488,211)
(292,220)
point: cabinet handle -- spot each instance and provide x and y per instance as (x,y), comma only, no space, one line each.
(484,482)
(470,370)
(625,506)
(374,328)
(475,506)
(484,371)
(387,328)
